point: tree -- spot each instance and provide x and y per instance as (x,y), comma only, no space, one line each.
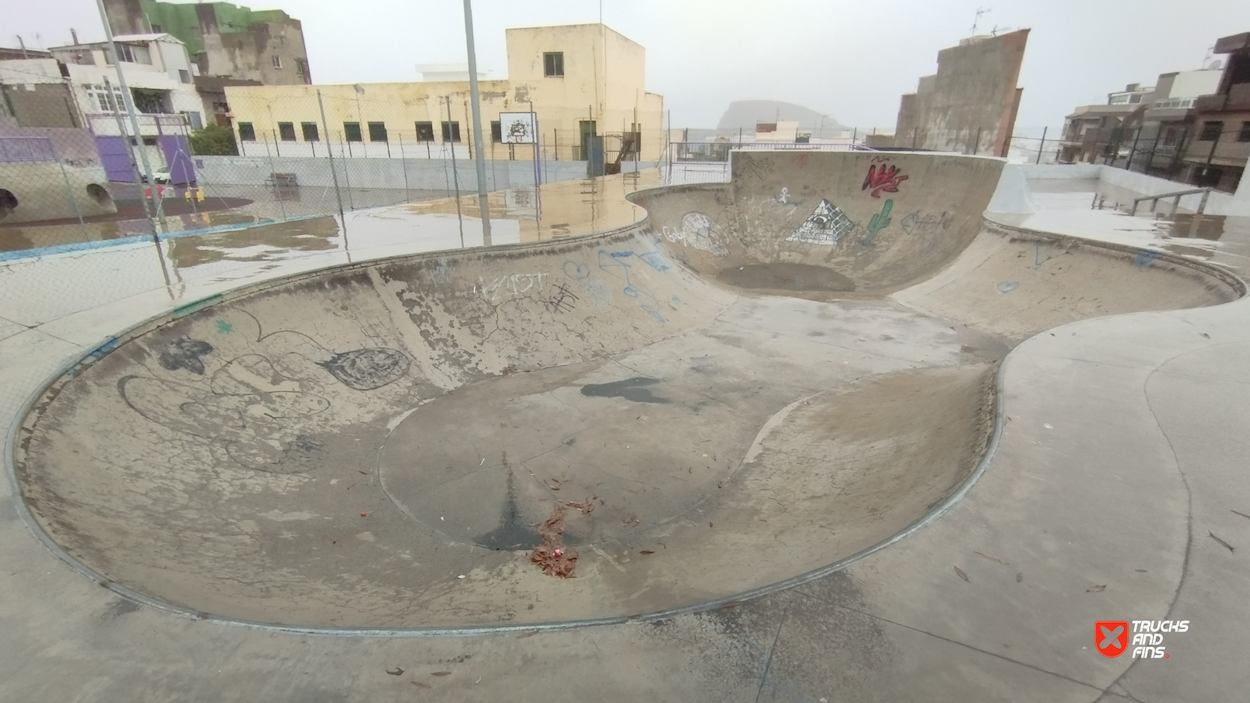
(214,140)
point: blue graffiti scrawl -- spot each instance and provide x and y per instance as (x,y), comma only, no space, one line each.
(617,265)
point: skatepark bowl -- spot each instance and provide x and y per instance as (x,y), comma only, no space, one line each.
(746,385)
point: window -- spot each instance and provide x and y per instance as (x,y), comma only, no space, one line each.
(301,68)
(425,131)
(351,130)
(247,133)
(131,53)
(276,60)
(156,29)
(377,131)
(553,63)
(184,75)
(194,119)
(286,131)
(310,131)
(1211,131)
(451,131)
(496,132)
(151,102)
(1244,134)
(102,100)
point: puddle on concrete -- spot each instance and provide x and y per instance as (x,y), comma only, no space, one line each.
(784,276)
(634,389)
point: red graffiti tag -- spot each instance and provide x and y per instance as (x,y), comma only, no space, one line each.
(887,178)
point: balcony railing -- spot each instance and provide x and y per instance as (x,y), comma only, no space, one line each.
(1173,104)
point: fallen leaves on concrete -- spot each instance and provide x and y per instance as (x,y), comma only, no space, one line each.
(586,507)
(551,556)
(960,573)
(996,559)
(396,672)
(1097,589)
(441,673)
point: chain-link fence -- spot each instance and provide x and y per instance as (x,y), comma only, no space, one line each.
(78,168)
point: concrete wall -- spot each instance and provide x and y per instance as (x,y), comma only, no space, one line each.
(1217,203)
(1191,84)
(972,94)
(74,147)
(414,174)
(248,53)
(1060,171)
(228,40)
(40,105)
(50,191)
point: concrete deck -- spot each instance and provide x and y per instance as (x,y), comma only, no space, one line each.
(1110,492)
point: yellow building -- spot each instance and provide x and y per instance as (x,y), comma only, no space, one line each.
(579,80)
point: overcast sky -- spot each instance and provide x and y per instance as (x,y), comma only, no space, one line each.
(850,60)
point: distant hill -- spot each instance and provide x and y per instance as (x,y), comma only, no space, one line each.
(743,114)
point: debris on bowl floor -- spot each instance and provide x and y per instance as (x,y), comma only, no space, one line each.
(552,556)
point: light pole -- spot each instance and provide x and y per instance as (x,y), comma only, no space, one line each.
(475,99)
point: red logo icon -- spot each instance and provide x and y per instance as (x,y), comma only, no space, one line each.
(1111,637)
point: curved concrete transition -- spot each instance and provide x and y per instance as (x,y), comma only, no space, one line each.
(754,382)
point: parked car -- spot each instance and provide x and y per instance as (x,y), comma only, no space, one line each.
(161,176)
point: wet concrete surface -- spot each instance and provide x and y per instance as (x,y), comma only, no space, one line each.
(429,411)
(786,277)
(899,625)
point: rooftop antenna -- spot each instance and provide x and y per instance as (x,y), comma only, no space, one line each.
(1207,59)
(977,21)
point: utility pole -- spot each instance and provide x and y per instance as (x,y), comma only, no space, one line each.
(130,109)
(475,97)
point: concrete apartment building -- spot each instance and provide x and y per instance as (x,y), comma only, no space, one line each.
(581,81)
(1216,157)
(1091,130)
(969,106)
(223,39)
(72,97)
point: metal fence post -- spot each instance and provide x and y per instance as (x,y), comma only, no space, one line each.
(403,162)
(1041,147)
(347,173)
(1154,147)
(1214,143)
(132,158)
(1133,152)
(69,191)
(273,176)
(330,153)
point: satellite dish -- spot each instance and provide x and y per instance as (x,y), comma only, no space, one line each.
(1215,66)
